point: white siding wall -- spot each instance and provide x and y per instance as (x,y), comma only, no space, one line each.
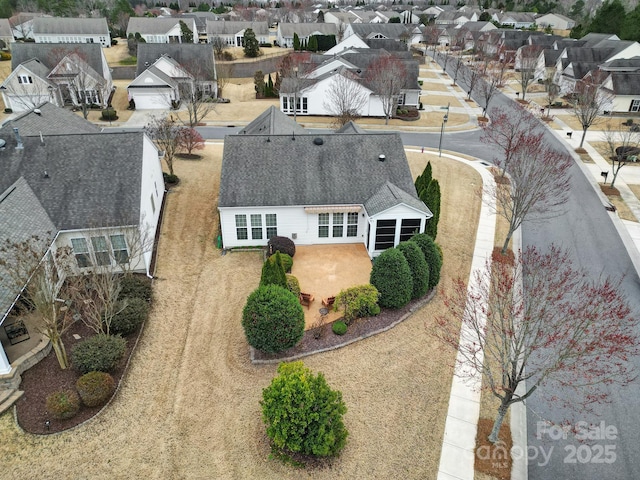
(398,213)
(25,96)
(621,103)
(152,98)
(152,193)
(104,40)
(290,221)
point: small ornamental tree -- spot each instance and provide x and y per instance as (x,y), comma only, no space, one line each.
(432,200)
(391,275)
(251,45)
(302,413)
(432,255)
(296,42)
(189,140)
(358,302)
(273,319)
(418,266)
(273,272)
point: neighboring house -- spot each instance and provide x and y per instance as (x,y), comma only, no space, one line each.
(6,34)
(286,32)
(346,45)
(308,95)
(555,21)
(456,18)
(59,73)
(273,122)
(201,19)
(625,87)
(166,72)
(393,31)
(98,194)
(334,188)
(71,30)
(515,19)
(473,31)
(232,33)
(162,30)
(22,25)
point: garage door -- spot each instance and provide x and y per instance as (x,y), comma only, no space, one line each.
(150,101)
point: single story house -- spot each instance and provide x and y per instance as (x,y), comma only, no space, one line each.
(162,30)
(6,34)
(232,33)
(165,72)
(333,188)
(62,74)
(394,31)
(625,88)
(286,31)
(108,218)
(555,20)
(71,30)
(517,20)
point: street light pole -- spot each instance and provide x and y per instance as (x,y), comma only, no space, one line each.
(444,122)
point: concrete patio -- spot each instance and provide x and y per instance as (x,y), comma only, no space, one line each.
(325,270)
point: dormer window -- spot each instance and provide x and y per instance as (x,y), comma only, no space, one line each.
(25,79)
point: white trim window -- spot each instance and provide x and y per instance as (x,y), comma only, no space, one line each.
(25,79)
(241,227)
(81,252)
(101,250)
(323,225)
(271,220)
(256,227)
(352,224)
(119,247)
(635,105)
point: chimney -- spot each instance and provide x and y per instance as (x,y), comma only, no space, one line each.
(19,146)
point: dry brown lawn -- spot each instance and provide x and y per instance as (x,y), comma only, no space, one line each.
(601,123)
(189,405)
(440,100)
(120,102)
(424,73)
(116,53)
(435,87)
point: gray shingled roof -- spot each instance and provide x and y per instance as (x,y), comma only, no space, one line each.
(350,127)
(388,196)
(591,39)
(624,64)
(52,120)
(22,216)
(626,83)
(388,44)
(187,55)
(389,30)
(285,170)
(230,28)
(50,54)
(151,25)
(273,122)
(306,29)
(70,26)
(5,28)
(90,180)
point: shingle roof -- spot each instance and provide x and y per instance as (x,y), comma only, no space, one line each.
(229,28)
(50,54)
(592,39)
(551,57)
(151,26)
(197,58)
(350,127)
(288,171)
(306,29)
(22,216)
(389,30)
(626,83)
(90,180)
(52,120)
(388,196)
(5,28)
(273,122)
(388,44)
(627,64)
(70,26)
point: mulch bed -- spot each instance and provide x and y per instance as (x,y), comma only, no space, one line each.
(608,190)
(494,460)
(360,328)
(47,377)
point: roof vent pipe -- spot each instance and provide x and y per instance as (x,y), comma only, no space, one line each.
(19,146)
(381,158)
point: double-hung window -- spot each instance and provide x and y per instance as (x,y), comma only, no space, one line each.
(81,252)
(256,227)
(101,250)
(119,246)
(338,221)
(635,106)
(352,224)
(241,227)
(323,225)
(272,225)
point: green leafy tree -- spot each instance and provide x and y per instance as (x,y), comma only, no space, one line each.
(391,275)
(320,18)
(273,319)
(251,45)
(423,180)
(358,302)
(313,44)
(608,18)
(577,10)
(273,272)
(187,34)
(296,41)
(203,7)
(418,266)
(432,255)
(302,413)
(577,31)
(432,200)
(394,20)
(631,25)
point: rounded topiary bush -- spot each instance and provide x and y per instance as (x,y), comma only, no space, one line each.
(339,328)
(129,319)
(95,388)
(282,245)
(285,260)
(357,302)
(63,404)
(293,285)
(302,413)
(100,353)
(135,286)
(273,319)
(432,254)
(418,266)
(273,272)
(391,275)
(109,114)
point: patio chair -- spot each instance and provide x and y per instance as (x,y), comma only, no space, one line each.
(306,299)
(328,302)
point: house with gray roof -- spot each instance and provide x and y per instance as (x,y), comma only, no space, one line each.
(162,30)
(394,31)
(63,74)
(331,188)
(98,194)
(71,30)
(625,89)
(286,32)
(232,33)
(273,122)
(167,72)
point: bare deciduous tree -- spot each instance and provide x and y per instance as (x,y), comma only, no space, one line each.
(224,73)
(552,91)
(488,86)
(528,60)
(472,75)
(345,98)
(539,320)
(219,46)
(387,76)
(164,132)
(589,101)
(623,146)
(28,267)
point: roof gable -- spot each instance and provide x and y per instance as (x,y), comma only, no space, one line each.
(70,26)
(50,54)
(195,58)
(50,120)
(273,122)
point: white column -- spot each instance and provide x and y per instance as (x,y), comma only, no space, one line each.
(5,366)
